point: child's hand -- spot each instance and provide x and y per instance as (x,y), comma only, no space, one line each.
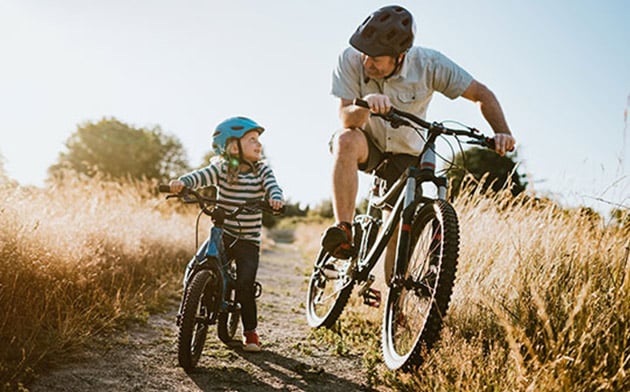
(276,204)
(176,186)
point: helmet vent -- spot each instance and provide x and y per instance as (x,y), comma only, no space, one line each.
(237,127)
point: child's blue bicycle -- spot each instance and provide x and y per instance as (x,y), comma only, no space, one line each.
(209,296)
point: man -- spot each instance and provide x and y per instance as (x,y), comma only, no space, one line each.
(383,68)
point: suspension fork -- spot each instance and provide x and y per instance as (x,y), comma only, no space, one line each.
(416,176)
(404,230)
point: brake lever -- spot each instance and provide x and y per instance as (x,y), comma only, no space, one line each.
(487,142)
(395,120)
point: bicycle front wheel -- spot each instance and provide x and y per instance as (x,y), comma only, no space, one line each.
(420,294)
(199,303)
(228,321)
(329,288)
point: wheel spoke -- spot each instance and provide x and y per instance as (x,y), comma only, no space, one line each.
(328,292)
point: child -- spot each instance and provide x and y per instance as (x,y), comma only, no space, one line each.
(240,175)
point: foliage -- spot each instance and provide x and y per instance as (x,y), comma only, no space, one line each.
(4,178)
(290,210)
(540,302)
(205,160)
(78,259)
(622,217)
(479,162)
(323,209)
(117,150)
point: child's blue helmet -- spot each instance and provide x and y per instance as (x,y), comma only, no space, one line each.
(232,128)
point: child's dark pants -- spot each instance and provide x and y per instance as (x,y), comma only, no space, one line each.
(247,254)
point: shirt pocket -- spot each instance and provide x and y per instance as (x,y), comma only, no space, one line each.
(413,99)
(407,97)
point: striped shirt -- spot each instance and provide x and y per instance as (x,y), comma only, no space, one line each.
(248,186)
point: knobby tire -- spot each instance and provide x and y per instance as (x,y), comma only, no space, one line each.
(414,310)
(200,299)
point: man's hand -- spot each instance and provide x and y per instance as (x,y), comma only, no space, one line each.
(503,143)
(378,103)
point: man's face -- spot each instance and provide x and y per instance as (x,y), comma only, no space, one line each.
(378,67)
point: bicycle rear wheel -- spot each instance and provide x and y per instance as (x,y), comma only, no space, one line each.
(199,304)
(419,297)
(329,288)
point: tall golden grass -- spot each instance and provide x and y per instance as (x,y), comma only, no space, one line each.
(541,303)
(79,259)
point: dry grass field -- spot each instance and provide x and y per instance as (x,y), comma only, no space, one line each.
(80,260)
(540,301)
(540,304)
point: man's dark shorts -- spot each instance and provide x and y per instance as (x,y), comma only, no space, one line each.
(388,166)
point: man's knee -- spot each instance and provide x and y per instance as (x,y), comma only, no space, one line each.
(350,142)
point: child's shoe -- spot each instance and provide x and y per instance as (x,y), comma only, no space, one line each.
(252,342)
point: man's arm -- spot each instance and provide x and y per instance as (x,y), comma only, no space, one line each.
(491,110)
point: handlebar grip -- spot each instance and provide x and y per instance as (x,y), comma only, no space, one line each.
(264,206)
(360,102)
(164,188)
(490,143)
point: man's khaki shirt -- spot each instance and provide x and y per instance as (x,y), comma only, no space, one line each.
(423,71)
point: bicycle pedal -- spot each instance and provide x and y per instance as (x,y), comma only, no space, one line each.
(372,297)
(232,307)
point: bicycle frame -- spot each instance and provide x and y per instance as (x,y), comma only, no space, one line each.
(411,195)
(212,249)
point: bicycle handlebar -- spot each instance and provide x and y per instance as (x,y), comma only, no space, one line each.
(397,118)
(203,202)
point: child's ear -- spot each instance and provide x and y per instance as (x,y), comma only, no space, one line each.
(233,148)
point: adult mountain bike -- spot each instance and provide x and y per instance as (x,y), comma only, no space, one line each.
(209,295)
(419,291)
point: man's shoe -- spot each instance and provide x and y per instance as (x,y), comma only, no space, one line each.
(337,241)
(252,342)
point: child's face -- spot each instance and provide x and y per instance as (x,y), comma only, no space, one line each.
(252,149)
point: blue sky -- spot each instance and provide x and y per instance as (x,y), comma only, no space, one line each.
(560,69)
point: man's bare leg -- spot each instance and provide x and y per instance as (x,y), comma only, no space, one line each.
(349,150)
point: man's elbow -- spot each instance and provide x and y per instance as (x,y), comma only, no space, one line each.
(479,92)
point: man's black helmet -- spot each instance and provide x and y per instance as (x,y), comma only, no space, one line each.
(388,31)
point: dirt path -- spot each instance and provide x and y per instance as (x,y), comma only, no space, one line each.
(146,359)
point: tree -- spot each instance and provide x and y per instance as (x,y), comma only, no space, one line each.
(479,161)
(117,150)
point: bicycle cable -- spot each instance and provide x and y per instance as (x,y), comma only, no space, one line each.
(451,162)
